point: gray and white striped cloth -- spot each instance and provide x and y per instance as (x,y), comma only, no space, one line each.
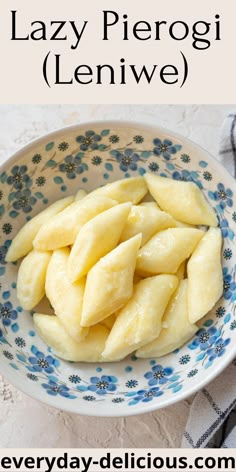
(212,418)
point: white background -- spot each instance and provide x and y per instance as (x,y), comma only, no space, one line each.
(27,423)
(211,76)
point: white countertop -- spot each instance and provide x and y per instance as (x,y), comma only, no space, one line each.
(25,422)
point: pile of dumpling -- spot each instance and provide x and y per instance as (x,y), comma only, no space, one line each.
(120,273)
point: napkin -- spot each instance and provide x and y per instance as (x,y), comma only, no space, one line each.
(212,417)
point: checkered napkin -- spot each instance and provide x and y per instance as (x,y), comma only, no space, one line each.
(212,418)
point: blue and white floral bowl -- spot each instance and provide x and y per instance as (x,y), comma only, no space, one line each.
(87,156)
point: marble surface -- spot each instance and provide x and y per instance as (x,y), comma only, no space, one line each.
(25,422)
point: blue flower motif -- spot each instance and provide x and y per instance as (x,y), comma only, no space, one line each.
(229,285)
(32,377)
(89,398)
(225,230)
(8,355)
(187,176)
(205,338)
(72,166)
(7,228)
(3,252)
(63,146)
(223,196)
(220,311)
(131,383)
(24,200)
(227,253)
(127,159)
(192,373)
(153,166)
(165,148)
(53,388)
(207,175)
(118,400)
(18,177)
(185,158)
(184,359)
(146,396)
(41,363)
(138,139)
(114,139)
(7,313)
(102,385)
(74,379)
(158,375)
(36,159)
(218,349)
(233,325)
(96,160)
(89,140)
(20,342)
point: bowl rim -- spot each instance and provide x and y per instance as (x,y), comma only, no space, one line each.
(150,407)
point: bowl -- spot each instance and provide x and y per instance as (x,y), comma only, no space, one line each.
(87,156)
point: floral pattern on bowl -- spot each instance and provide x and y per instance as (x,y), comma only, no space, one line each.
(88,156)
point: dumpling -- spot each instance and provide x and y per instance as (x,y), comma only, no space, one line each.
(108,322)
(124,190)
(62,229)
(31,278)
(137,278)
(139,321)
(179,224)
(205,275)
(22,244)
(181,270)
(52,332)
(66,298)
(165,251)
(183,200)
(146,220)
(80,194)
(149,204)
(177,329)
(96,238)
(109,283)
